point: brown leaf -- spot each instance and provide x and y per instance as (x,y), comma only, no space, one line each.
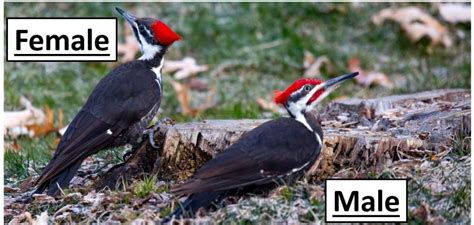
(22,219)
(314,65)
(424,213)
(27,184)
(41,219)
(47,127)
(267,105)
(184,98)
(198,84)
(368,78)
(12,145)
(182,95)
(455,12)
(417,24)
(43,198)
(183,68)
(209,102)
(7,189)
(30,115)
(31,121)
(317,192)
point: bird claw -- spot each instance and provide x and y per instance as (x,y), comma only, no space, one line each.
(151,139)
(151,132)
(126,155)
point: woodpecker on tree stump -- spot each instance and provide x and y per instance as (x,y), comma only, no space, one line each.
(280,149)
(119,109)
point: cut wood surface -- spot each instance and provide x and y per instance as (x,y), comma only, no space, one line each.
(360,137)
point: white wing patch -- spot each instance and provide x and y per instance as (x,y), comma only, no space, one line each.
(299,168)
(109,132)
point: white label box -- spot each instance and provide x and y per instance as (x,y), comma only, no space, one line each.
(369,200)
(62,39)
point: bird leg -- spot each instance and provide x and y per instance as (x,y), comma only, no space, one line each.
(151,132)
(129,153)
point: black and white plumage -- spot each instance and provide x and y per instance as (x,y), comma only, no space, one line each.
(119,109)
(280,149)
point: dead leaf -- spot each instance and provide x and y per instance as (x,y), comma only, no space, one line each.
(16,121)
(12,145)
(267,105)
(424,213)
(7,189)
(130,48)
(27,184)
(43,198)
(41,219)
(42,129)
(455,12)
(417,24)
(314,65)
(317,192)
(182,95)
(368,78)
(198,84)
(22,218)
(184,98)
(183,68)
(31,121)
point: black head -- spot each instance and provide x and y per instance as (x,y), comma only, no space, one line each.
(152,34)
(305,94)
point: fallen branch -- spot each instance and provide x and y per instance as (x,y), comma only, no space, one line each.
(365,135)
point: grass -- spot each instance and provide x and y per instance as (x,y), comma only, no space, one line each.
(461,143)
(238,35)
(35,153)
(445,187)
(146,186)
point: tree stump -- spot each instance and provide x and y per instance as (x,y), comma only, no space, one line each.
(359,135)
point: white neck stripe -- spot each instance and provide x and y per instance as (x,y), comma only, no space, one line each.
(302,119)
(157,71)
(149,51)
(319,139)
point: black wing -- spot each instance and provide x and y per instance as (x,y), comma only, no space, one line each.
(120,99)
(275,148)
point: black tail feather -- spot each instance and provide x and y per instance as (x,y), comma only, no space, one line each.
(60,181)
(195,201)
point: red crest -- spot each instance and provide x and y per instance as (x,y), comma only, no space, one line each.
(282,96)
(164,34)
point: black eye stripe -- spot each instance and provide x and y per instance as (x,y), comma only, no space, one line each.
(135,32)
(145,33)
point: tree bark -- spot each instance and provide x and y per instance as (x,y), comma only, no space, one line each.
(359,135)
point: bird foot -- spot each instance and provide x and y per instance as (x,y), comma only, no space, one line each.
(151,131)
(128,153)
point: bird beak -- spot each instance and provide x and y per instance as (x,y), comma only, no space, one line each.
(333,83)
(130,18)
(327,87)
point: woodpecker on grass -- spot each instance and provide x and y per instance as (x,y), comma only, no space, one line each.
(119,109)
(280,149)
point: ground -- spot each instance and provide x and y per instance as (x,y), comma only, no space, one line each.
(251,49)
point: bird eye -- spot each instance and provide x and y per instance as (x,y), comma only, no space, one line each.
(308,88)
